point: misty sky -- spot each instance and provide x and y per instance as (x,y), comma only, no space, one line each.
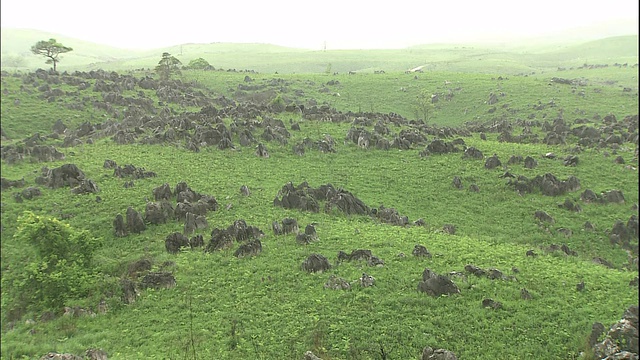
(357,24)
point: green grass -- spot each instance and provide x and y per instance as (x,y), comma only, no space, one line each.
(266,306)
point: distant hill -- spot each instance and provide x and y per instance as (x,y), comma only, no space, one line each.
(619,47)
(506,57)
(17,43)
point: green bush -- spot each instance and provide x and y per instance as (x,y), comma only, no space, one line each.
(277,104)
(198,64)
(60,268)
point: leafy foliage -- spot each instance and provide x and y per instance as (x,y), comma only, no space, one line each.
(278,103)
(199,64)
(50,49)
(424,105)
(61,268)
(168,66)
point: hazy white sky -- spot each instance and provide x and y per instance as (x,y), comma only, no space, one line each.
(145,24)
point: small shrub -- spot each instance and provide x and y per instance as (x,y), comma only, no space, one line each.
(60,270)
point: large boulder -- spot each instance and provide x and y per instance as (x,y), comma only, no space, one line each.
(530,163)
(252,248)
(158,212)
(120,228)
(492,162)
(315,263)
(162,192)
(436,285)
(175,241)
(621,341)
(472,153)
(65,175)
(135,224)
(86,186)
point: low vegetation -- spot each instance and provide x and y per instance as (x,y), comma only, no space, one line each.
(241,214)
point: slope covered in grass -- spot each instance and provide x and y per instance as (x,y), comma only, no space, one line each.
(267,306)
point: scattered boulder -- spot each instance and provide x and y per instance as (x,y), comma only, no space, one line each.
(158,212)
(162,192)
(109,164)
(367,280)
(571,160)
(86,186)
(137,267)
(391,216)
(491,304)
(290,226)
(588,196)
(175,241)
(189,224)
(439,146)
(6,183)
(548,184)
(337,283)
(360,255)
(597,330)
(347,203)
(244,190)
(457,183)
(492,162)
(472,153)
(438,354)
(474,188)
(530,163)
(524,294)
(158,280)
(135,224)
(316,263)
(309,235)
(30,193)
(436,285)
(129,291)
(119,226)
(252,248)
(261,151)
(514,159)
(220,239)
(95,354)
(130,171)
(65,175)
(421,251)
(308,355)
(57,356)
(613,196)
(475,270)
(600,261)
(449,229)
(570,205)
(621,340)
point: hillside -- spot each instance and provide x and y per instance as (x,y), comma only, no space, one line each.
(240,214)
(508,58)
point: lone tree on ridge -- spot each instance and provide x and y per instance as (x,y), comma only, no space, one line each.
(50,49)
(168,66)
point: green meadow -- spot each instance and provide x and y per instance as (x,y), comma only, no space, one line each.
(266,306)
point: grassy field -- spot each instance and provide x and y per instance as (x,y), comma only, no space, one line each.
(267,306)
